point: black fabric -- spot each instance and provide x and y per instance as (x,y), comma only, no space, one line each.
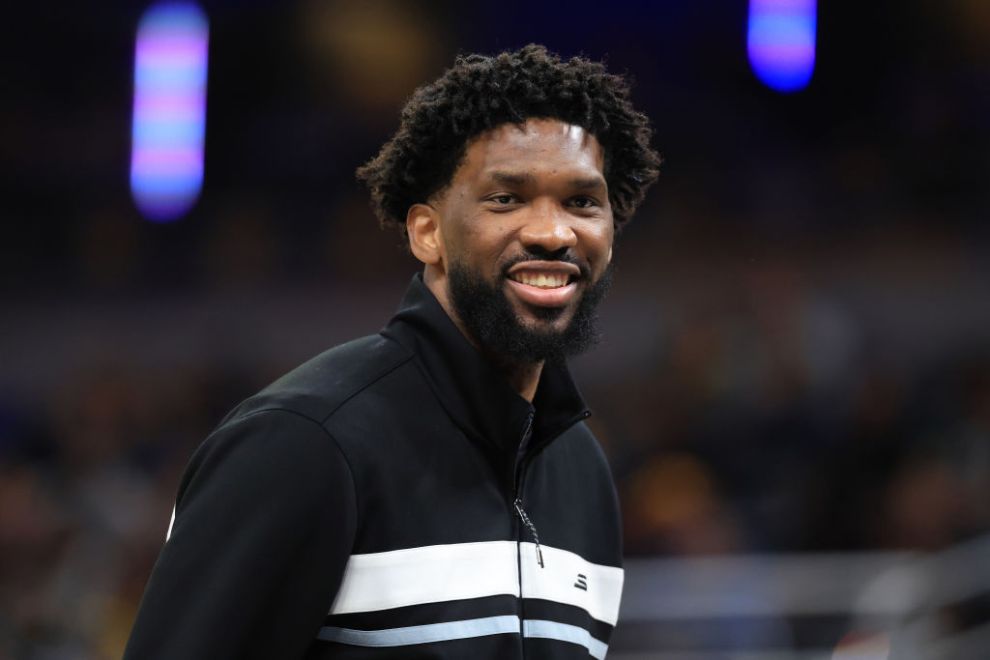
(547,610)
(416,615)
(492,646)
(399,440)
(263,523)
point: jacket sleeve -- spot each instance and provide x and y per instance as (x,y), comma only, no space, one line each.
(264,524)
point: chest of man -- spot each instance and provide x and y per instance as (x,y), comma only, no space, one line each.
(445,565)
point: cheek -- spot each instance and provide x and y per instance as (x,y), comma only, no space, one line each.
(475,241)
(599,246)
(487,239)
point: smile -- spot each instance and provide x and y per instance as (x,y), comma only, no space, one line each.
(541,280)
(544,283)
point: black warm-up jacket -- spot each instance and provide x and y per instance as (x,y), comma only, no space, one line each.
(392,498)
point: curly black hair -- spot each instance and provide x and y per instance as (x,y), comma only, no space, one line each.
(481,92)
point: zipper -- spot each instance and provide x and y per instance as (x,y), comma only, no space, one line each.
(532,529)
(519,474)
(518,477)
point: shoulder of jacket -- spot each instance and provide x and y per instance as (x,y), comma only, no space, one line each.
(580,433)
(584,446)
(316,388)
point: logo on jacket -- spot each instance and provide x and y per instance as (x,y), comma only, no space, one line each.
(582,582)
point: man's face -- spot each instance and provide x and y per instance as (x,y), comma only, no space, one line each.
(525,239)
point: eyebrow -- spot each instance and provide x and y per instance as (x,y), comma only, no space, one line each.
(588,183)
(523,178)
(512,178)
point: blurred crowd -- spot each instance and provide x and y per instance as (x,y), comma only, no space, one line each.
(795,356)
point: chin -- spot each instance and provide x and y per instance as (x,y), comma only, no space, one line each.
(539,313)
(546,320)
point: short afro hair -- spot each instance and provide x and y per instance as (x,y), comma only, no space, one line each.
(480,93)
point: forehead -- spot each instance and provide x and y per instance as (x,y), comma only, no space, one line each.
(538,146)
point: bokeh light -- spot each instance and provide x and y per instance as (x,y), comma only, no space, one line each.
(780,42)
(170,67)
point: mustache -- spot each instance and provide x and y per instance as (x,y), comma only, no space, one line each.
(564,255)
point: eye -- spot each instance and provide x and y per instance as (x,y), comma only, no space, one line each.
(502,202)
(503,199)
(584,202)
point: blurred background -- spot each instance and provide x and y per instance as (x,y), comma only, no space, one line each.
(793,387)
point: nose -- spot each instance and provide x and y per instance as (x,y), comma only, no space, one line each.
(548,226)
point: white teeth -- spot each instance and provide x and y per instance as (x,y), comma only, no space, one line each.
(542,280)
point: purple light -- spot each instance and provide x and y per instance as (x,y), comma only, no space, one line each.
(169,109)
(781,42)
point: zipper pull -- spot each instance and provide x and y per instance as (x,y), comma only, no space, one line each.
(532,529)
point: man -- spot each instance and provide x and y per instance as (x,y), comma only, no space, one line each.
(432,491)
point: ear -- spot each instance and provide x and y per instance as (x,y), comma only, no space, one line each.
(423,227)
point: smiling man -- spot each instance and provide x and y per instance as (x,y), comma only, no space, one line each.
(432,491)
(517,246)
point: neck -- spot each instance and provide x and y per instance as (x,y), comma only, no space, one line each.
(522,377)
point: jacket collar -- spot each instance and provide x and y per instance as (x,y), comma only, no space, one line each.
(473,391)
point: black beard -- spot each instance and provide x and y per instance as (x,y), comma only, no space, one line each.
(489,318)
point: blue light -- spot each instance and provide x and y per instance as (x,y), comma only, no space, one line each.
(169,125)
(780,42)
